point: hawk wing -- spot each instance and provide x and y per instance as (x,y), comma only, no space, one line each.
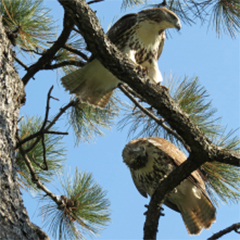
(139,186)
(121,26)
(178,158)
(161,45)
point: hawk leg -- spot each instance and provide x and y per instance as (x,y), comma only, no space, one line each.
(144,70)
(164,87)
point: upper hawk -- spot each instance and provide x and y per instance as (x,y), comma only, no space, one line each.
(141,37)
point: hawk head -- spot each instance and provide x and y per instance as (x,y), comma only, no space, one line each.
(166,17)
(135,156)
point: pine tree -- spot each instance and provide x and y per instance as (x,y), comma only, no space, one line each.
(33,151)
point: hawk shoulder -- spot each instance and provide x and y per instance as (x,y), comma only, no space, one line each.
(121,26)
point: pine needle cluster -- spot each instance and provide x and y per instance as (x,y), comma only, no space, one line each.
(86,210)
(30,20)
(54,153)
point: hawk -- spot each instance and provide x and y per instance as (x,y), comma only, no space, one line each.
(150,159)
(141,37)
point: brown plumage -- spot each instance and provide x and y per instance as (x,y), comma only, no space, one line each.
(141,37)
(150,159)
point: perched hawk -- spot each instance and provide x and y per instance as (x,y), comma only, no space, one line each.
(150,159)
(141,37)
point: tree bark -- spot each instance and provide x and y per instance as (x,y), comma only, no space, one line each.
(14,220)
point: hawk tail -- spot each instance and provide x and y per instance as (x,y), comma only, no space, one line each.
(89,85)
(74,80)
(200,216)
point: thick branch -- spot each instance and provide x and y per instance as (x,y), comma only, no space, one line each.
(233,227)
(50,53)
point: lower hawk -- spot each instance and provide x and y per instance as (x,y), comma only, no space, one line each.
(141,37)
(150,159)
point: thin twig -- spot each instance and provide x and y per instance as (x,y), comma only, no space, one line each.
(76,30)
(56,132)
(74,50)
(36,163)
(62,110)
(152,116)
(44,153)
(219,234)
(63,64)
(34,51)
(50,53)
(35,177)
(44,130)
(94,1)
(21,63)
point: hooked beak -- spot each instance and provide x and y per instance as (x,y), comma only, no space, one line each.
(178,26)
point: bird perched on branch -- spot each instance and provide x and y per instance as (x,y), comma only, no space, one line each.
(150,160)
(141,37)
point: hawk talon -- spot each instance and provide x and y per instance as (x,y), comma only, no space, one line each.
(141,69)
(164,88)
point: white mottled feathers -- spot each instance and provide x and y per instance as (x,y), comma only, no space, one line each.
(150,159)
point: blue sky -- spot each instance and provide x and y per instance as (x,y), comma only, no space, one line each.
(194,51)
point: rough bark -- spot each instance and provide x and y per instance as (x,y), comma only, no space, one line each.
(14,221)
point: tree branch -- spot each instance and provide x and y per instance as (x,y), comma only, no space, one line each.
(35,177)
(152,116)
(74,50)
(45,129)
(94,1)
(202,150)
(219,234)
(63,64)
(50,53)
(21,63)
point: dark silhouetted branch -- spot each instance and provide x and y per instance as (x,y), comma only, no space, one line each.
(235,227)
(48,56)
(35,177)
(94,1)
(74,50)
(46,125)
(63,64)
(21,63)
